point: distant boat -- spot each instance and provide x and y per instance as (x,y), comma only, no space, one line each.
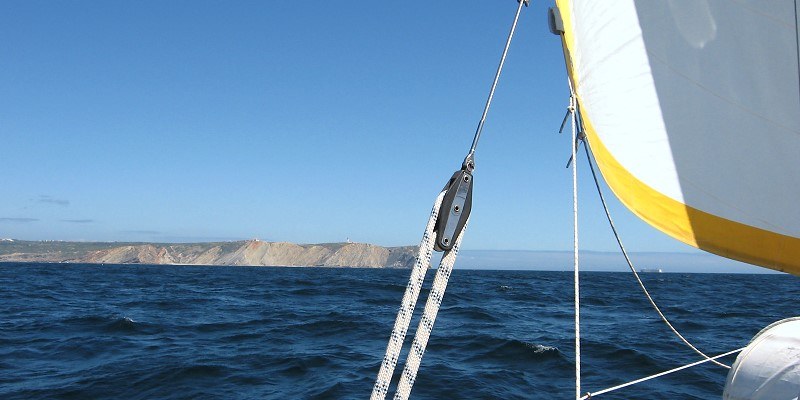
(648,270)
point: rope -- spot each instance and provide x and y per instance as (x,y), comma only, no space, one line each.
(633,269)
(407,305)
(574,139)
(647,378)
(418,275)
(428,318)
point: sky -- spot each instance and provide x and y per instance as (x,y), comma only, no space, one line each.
(306,122)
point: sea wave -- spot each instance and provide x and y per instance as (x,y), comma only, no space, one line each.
(172,332)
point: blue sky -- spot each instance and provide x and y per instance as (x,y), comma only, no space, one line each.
(287,121)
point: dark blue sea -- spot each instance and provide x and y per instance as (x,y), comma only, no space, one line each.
(189,332)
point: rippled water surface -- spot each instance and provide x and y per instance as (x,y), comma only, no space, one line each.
(186,332)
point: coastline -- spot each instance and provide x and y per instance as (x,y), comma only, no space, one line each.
(236,253)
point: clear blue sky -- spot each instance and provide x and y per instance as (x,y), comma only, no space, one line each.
(287,121)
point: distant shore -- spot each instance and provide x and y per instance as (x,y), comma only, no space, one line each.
(246,252)
(282,254)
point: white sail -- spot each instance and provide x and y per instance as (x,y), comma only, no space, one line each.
(692,110)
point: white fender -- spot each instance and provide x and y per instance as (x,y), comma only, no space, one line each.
(769,367)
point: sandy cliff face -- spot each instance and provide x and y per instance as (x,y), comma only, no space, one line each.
(143,254)
(359,255)
(251,252)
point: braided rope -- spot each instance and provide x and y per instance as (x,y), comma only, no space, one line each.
(407,306)
(428,318)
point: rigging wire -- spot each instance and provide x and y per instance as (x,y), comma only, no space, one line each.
(577,302)
(578,136)
(436,294)
(630,263)
(496,79)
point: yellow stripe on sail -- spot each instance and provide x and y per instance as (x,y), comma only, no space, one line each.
(692,226)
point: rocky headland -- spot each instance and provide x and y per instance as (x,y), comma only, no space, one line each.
(249,252)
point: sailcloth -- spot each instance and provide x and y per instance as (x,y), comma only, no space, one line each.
(692,110)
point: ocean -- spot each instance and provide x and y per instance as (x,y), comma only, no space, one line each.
(72,331)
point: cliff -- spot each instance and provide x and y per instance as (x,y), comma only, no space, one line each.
(250,252)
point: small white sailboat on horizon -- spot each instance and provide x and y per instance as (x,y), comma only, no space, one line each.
(651,270)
